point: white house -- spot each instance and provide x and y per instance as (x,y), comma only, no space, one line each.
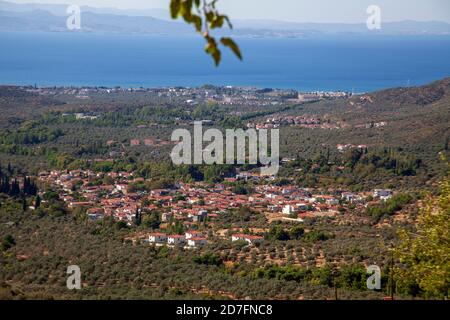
(348,196)
(175,239)
(157,237)
(254,239)
(199,216)
(166,216)
(196,242)
(237,237)
(247,238)
(331,201)
(193,234)
(383,194)
(121,187)
(311,199)
(288,209)
(287,191)
(351,197)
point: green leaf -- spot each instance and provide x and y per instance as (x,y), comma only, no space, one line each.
(228,22)
(175,6)
(206,10)
(197,21)
(209,16)
(212,49)
(228,42)
(186,6)
(217,22)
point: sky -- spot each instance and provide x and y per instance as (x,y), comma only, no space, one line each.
(323,11)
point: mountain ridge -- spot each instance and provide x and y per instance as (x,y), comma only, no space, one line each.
(420,95)
(52,17)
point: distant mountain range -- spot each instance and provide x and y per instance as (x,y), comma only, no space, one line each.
(52,17)
(60,10)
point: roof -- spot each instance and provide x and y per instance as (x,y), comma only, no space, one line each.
(246,236)
(198,239)
(253,237)
(238,235)
(157,234)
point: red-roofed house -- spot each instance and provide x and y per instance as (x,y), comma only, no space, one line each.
(157,237)
(248,238)
(195,242)
(175,239)
(193,234)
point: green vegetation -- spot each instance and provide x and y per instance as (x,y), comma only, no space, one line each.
(315,235)
(390,206)
(424,253)
(204,16)
(35,267)
(208,259)
(277,232)
(41,133)
(351,277)
(7,243)
(13,188)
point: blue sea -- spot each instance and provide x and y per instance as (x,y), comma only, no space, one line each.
(350,63)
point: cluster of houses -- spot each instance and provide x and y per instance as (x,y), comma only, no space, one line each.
(224,95)
(250,239)
(79,188)
(190,204)
(304,121)
(344,147)
(372,125)
(318,95)
(195,239)
(382,194)
(192,239)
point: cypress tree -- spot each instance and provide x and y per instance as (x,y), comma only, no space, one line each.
(15,188)
(37,202)
(26,185)
(24,204)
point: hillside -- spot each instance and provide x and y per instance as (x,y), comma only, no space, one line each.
(415,96)
(91,138)
(411,122)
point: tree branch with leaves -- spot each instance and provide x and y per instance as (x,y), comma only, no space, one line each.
(424,254)
(205,17)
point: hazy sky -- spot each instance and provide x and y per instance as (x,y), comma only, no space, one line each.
(349,11)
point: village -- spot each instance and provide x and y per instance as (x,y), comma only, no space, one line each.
(304,121)
(194,204)
(221,95)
